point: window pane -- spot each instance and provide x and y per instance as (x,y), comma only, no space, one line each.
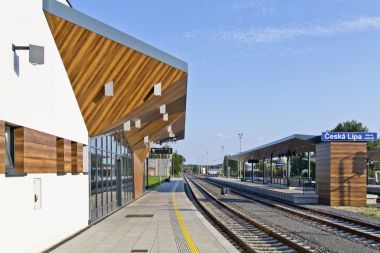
(8,148)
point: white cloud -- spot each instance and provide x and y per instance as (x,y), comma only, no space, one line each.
(223,136)
(255,35)
(261,6)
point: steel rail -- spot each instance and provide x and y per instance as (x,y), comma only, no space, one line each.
(248,194)
(291,244)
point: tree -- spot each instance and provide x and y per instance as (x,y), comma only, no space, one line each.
(233,166)
(300,166)
(178,161)
(350,126)
(355,126)
(374,145)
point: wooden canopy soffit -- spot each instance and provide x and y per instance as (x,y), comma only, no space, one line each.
(173,97)
(156,130)
(92,60)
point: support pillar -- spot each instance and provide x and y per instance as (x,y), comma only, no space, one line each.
(139,156)
(341,173)
(263,171)
(271,169)
(308,168)
(252,175)
(288,168)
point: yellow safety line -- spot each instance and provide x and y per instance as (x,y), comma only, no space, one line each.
(189,240)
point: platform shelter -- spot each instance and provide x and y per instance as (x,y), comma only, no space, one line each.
(340,165)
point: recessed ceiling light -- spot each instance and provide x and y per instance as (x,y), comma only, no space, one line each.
(127,126)
(157,89)
(163,109)
(108,89)
(138,123)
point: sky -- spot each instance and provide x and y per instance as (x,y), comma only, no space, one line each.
(266,68)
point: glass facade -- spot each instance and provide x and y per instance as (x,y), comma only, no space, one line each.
(111,172)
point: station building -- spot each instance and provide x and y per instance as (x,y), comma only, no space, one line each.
(81,103)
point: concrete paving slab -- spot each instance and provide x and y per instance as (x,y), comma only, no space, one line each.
(118,233)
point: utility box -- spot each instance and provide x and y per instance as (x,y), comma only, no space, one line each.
(37,193)
(341,173)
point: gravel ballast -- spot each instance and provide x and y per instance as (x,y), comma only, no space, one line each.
(329,240)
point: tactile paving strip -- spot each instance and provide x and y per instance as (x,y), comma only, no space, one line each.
(178,236)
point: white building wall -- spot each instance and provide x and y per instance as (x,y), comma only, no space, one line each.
(64,211)
(41,98)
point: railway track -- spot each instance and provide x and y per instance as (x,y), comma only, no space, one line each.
(355,230)
(250,234)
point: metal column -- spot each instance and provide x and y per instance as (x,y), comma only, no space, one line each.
(252,173)
(288,170)
(146,175)
(271,169)
(243,171)
(263,171)
(308,162)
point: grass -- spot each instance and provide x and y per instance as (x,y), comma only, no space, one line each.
(153,181)
(367,210)
(370,211)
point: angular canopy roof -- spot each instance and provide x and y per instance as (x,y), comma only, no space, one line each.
(95,54)
(294,144)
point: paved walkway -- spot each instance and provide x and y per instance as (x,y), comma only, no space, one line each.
(176,226)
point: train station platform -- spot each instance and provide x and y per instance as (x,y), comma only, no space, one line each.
(295,196)
(373,189)
(163,220)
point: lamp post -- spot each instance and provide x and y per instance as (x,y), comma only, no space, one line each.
(240,136)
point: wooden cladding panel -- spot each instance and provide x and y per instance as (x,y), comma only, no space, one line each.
(138,170)
(76,157)
(323,172)
(341,173)
(2,147)
(63,156)
(35,152)
(92,60)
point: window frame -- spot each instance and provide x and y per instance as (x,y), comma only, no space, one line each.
(9,149)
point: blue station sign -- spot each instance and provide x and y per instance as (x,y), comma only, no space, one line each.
(348,136)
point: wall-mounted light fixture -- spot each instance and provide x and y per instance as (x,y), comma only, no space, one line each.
(170,129)
(36,53)
(157,89)
(138,123)
(108,89)
(163,109)
(127,126)
(165,117)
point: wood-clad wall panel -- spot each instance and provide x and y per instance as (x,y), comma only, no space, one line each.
(323,172)
(35,152)
(2,147)
(63,156)
(341,173)
(92,60)
(138,170)
(76,157)
(348,173)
